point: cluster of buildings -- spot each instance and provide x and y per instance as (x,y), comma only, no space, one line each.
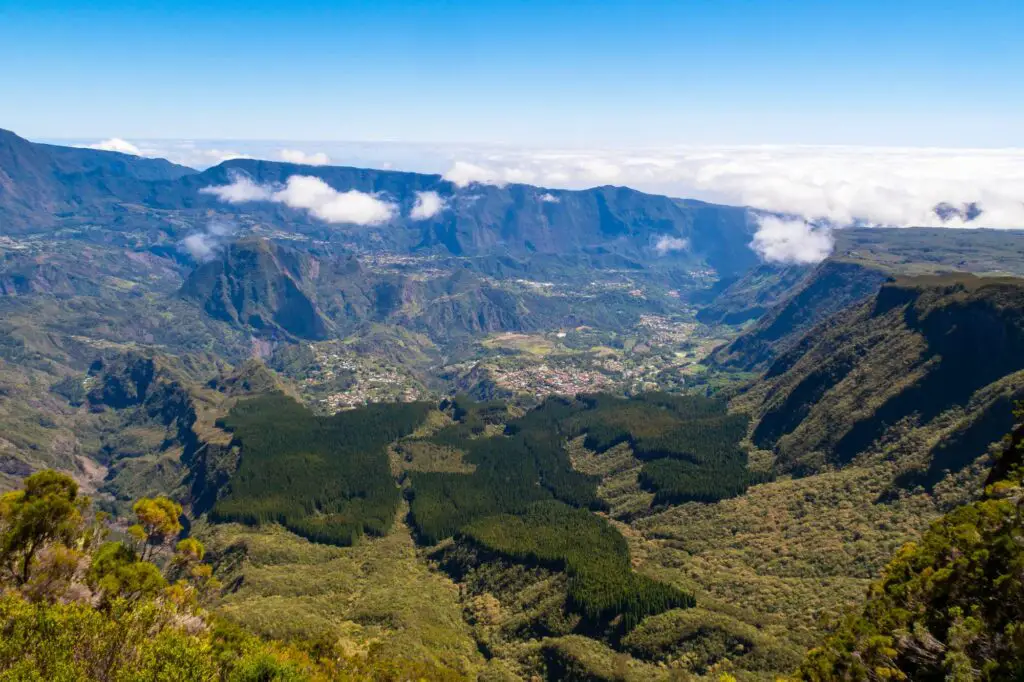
(367,381)
(544,379)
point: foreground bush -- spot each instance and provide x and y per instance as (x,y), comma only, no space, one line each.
(75,608)
(950,607)
(141,640)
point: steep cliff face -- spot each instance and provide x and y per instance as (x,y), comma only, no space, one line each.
(935,359)
(279,293)
(38,182)
(258,284)
(833,286)
(160,415)
(482,219)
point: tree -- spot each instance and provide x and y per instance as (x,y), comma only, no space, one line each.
(47,511)
(159,523)
(193,574)
(116,572)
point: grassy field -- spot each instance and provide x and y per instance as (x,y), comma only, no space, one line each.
(531,344)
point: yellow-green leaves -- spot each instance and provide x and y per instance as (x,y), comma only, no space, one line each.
(117,573)
(159,523)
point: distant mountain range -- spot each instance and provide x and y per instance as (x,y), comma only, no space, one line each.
(43,187)
(40,183)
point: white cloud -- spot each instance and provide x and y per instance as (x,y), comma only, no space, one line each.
(204,246)
(428,205)
(464,174)
(312,194)
(600,170)
(326,203)
(116,144)
(667,243)
(780,240)
(203,158)
(241,190)
(549,198)
(301,157)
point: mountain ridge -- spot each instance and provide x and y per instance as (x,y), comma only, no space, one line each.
(45,186)
(935,356)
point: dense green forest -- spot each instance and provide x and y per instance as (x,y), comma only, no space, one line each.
(324,478)
(675,481)
(525,500)
(692,442)
(527,464)
(602,584)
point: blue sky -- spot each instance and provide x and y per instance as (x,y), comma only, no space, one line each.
(563,73)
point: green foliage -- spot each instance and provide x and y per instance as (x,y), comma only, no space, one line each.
(48,510)
(602,585)
(325,478)
(650,417)
(158,523)
(933,358)
(377,595)
(506,503)
(706,638)
(675,481)
(509,469)
(949,606)
(78,642)
(528,465)
(141,641)
(691,443)
(119,621)
(117,573)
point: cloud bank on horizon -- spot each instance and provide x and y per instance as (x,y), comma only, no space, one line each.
(883,186)
(888,186)
(837,185)
(116,144)
(300,157)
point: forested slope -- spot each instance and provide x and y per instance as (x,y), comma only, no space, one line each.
(833,286)
(925,371)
